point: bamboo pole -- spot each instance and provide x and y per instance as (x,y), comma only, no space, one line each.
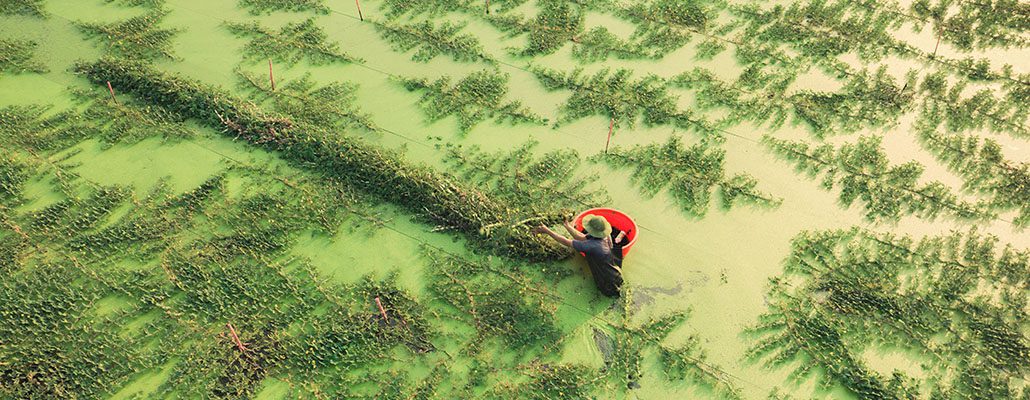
(271,77)
(611,127)
(381,309)
(111,89)
(236,338)
(358,4)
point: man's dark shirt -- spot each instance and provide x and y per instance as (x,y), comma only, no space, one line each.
(605,265)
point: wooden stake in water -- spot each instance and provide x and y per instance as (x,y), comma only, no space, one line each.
(381,309)
(111,89)
(271,77)
(358,3)
(611,127)
(236,338)
(938,43)
(488,6)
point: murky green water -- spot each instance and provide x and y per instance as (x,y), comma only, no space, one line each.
(718,266)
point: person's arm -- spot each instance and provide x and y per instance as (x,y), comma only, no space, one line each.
(576,235)
(564,241)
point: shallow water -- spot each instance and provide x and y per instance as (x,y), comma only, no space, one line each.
(718,265)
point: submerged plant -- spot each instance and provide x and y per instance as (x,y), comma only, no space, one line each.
(862,172)
(474,99)
(328,107)
(268,6)
(293,42)
(16,57)
(138,37)
(430,41)
(976,25)
(690,175)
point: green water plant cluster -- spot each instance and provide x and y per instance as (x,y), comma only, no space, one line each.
(32,8)
(689,174)
(156,4)
(667,25)
(430,40)
(257,7)
(951,299)
(329,107)
(474,99)
(972,25)
(949,105)
(555,25)
(292,43)
(140,37)
(617,96)
(379,173)
(397,8)
(16,57)
(863,174)
(552,181)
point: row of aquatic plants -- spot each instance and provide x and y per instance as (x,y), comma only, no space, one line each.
(32,8)
(268,6)
(430,41)
(970,25)
(139,37)
(863,174)
(689,174)
(366,167)
(16,56)
(292,43)
(329,107)
(953,300)
(474,99)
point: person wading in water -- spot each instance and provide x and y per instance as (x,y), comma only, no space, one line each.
(603,252)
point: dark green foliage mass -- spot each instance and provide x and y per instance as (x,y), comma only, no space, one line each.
(689,174)
(294,42)
(473,99)
(972,25)
(138,37)
(328,107)
(32,8)
(16,57)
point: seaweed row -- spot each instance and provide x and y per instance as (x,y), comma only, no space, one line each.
(689,174)
(292,43)
(351,161)
(328,107)
(16,57)
(625,101)
(139,37)
(662,26)
(257,7)
(970,25)
(861,290)
(31,8)
(474,99)
(430,41)
(863,173)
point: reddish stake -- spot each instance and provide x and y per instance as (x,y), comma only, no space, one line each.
(111,89)
(271,77)
(488,6)
(381,309)
(611,127)
(358,3)
(235,338)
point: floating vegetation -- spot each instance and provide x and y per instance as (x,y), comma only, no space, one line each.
(379,173)
(614,95)
(983,167)
(16,57)
(862,172)
(432,41)
(328,108)
(293,42)
(667,25)
(434,8)
(551,181)
(138,37)
(947,105)
(550,381)
(268,6)
(857,292)
(976,25)
(32,8)
(690,175)
(474,99)
(157,4)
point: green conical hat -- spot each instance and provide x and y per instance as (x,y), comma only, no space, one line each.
(597,226)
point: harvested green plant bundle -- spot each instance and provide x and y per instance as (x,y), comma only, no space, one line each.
(138,37)
(293,42)
(474,99)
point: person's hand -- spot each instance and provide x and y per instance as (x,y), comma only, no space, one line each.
(570,225)
(540,229)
